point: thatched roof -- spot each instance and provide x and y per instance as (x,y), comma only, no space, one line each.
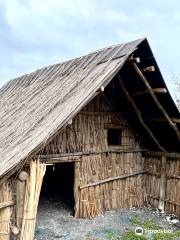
(37,105)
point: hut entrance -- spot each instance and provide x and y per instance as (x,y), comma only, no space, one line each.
(57,192)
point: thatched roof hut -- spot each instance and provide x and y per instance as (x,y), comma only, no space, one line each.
(118,108)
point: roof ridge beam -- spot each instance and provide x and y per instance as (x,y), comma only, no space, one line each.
(159,105)
(139,114)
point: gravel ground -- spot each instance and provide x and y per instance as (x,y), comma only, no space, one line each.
(55,221)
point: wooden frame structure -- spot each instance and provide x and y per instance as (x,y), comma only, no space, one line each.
(79,102)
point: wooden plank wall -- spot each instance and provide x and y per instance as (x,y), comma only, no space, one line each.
(172,189)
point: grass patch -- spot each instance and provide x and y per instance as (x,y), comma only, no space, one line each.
(130,235)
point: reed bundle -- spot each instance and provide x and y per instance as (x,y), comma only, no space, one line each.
(98,194)
(5,212)
(33,188)
(172,193)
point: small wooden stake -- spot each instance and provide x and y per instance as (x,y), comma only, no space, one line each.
(162,187)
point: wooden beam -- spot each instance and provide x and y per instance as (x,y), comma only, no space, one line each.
(113,179)
(139,115)
(76,155)
(175,120)
(58,158)
(160,154)
(99,113)
(148,69)
(166,200)
(134,60)
(159,105)
(6,204)
(146,91)
(169,177)
(162,185)
(115,126)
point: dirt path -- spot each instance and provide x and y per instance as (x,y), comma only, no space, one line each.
(55,221)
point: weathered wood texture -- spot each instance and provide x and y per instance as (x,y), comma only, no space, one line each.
(5,212)
(31,200)
(172,190)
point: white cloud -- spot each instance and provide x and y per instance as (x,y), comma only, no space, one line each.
(42,32)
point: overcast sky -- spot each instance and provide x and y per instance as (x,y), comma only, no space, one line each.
(35,33)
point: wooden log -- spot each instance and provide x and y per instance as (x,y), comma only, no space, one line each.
(32,193)
(20,195)
(23,176)
(168,177)
(139,115)
(102,113)
(162,187)
(166,200)
(113,179)
(175,120)
(148,69)
(146,91)
(114,126)
(5,212)
(134,60)
(75,156)
(159,105)
(160,154)
(6,204)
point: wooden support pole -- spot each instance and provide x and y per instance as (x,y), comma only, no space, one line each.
(162,186)
(20,195)
(175,120)
(6,204)
(146,91)
(166,200)
(161,154)
(139,115)
(113,179)
(159,105)
(6,198)
(74,157)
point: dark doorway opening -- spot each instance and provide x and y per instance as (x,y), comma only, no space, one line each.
(58,187)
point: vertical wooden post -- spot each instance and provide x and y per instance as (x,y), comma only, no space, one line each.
(20,195)
(32,193)
(5,213)
(76,187)
(162,186)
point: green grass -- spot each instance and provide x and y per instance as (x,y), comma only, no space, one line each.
(130,235)
(148,224)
